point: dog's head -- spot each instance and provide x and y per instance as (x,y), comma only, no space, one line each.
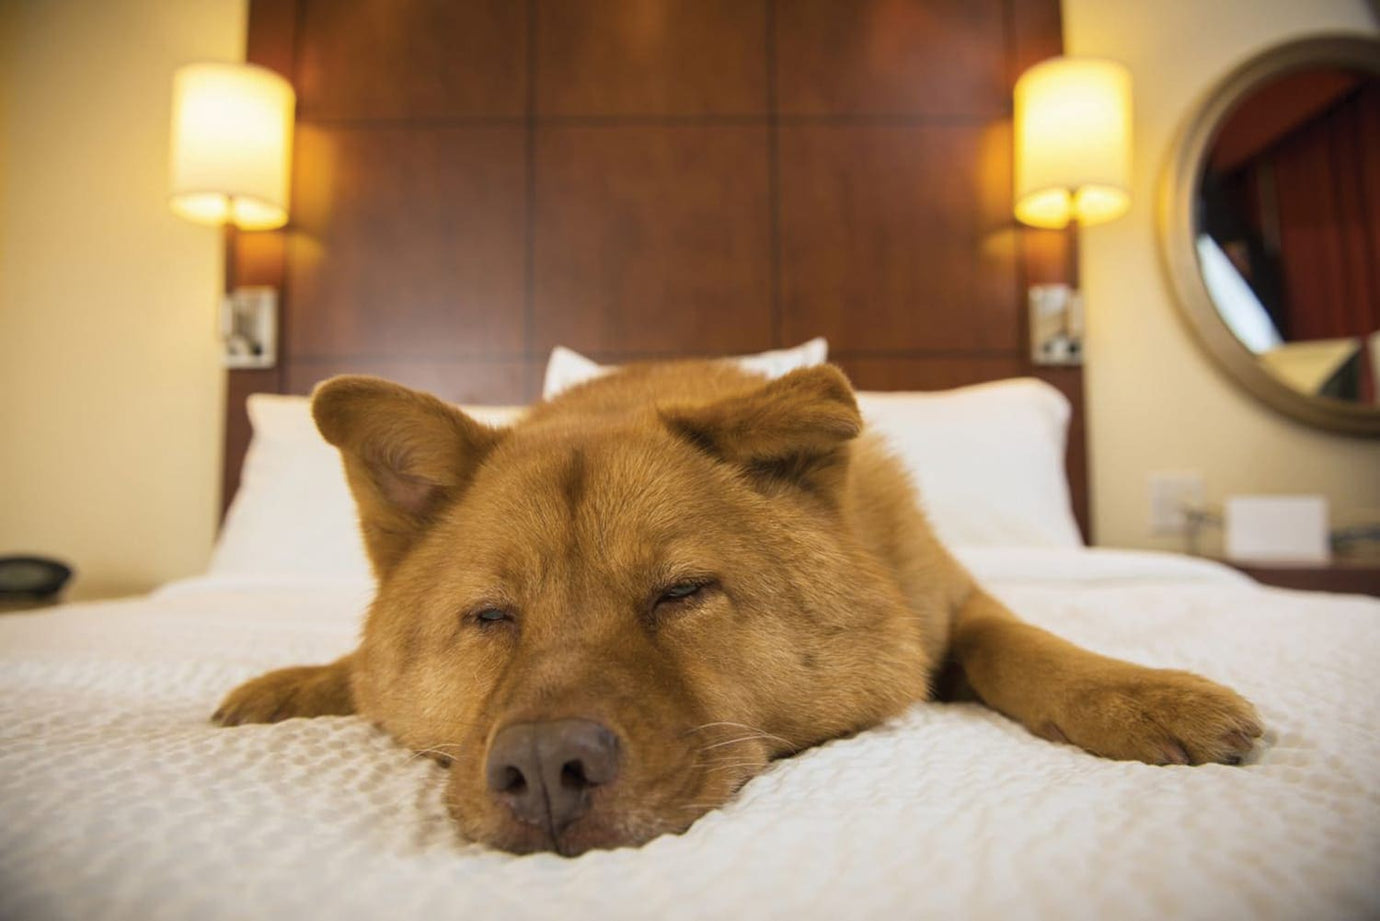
(606,623)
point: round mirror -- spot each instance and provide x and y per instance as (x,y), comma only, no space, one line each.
(1270,224)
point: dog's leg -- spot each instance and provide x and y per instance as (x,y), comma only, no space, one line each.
(1111,708)
(306,690)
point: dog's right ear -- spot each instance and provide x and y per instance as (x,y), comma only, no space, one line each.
(407,455)
(790,430)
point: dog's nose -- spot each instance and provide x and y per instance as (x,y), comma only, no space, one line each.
(545,771)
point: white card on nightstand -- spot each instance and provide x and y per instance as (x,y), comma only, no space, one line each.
(1279,528)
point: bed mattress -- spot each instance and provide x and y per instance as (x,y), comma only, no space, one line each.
(119,800)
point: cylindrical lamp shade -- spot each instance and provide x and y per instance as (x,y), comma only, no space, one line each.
(231,145)
(1073,142)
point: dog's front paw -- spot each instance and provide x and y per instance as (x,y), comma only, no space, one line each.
(309,690)
(1156,716)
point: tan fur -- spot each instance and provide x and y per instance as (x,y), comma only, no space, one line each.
(829,605)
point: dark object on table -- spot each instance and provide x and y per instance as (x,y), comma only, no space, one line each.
(31,578)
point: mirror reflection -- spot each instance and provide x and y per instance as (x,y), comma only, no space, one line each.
(1288,229)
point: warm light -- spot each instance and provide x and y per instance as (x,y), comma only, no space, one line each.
(1073,142)
(231,145)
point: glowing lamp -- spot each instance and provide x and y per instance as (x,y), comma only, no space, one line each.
(1073,142)
(231,145)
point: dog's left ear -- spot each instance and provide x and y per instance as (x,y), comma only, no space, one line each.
(794,429)
(407,455)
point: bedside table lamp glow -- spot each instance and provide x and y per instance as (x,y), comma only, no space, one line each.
(231,152)
(1072,166)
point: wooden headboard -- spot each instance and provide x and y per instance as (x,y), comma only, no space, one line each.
(476,181)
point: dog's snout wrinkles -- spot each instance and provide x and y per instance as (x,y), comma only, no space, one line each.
(546,771)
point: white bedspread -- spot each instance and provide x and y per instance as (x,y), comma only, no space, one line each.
(118,800)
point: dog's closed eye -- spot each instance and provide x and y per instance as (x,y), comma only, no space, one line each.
(680,590)
(490,617)
(681,594)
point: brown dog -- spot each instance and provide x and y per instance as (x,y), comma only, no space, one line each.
(608,618)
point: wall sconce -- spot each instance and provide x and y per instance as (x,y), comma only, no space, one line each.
(1073,166)
(231,152)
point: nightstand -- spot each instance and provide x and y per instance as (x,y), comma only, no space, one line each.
(1350,576)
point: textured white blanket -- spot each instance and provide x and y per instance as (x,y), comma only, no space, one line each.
(118,800)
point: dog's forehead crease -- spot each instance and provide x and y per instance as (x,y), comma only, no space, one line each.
(615,476)
(580,514)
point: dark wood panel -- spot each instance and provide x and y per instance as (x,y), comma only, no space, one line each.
(272,35)
(258,258)
(1048,255)
(473,186)
(913,372)
(896,237)
(408,242)
(239,385)
(911,57)
(651,57)
(1036,34)
(1069,381)
(486,383)
(412,58)
(652,239)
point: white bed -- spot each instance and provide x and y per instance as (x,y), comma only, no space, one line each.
(119,800)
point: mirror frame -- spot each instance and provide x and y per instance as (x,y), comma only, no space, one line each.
(1178,228)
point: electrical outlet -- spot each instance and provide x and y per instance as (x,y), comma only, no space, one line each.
(1170,495)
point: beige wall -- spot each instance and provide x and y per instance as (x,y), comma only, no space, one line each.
(110,390)
(1154,401)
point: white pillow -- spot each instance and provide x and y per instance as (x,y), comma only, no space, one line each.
(293,515)
(566,367)
(988,460)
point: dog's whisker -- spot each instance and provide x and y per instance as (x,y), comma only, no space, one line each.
(438,750)
(729,759)
(711,766)
(734,765)
(413,795)
(441,746)
(761,732)
(756,738)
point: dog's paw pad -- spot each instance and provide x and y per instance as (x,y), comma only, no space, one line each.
(284,694)
(1173,753)
(1161,717)
(258,701)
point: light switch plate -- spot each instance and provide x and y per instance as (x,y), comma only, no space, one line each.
(1056,325)
(1171,495)
(249,327)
